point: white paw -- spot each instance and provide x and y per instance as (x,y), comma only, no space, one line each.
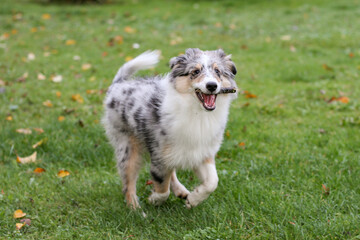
(180,191)
(193,199)
(158,198)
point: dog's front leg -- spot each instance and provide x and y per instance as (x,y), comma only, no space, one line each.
(209,181)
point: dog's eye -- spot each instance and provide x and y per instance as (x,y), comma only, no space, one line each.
(196,72)
(217,71)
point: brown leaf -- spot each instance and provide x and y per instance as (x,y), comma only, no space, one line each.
(148,182)
(26,221)
(327,68)
(351,55)
(29,159)
(63,173)
(39,170)
(24,130)
(61,118)
(19,214)
(77,98)
(129,29)
(326,190)
(9,118)
(250,95)
(241,144)
(41,76)
(58,94)
(39,130)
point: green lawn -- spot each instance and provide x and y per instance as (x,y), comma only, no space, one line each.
(289,166)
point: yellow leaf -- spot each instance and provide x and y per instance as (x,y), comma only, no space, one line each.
(63,173)
(39,170)
(9,118)
(14,31)
(39,143)
(34,29)
(129,29)
(29,159)
(242,144)
(47,103)
(77,98)
(119,39)
(61,118)
(86,66)
(6,35)
(24,130)
(128,58)
(19,225)
(58,94)
(19,214)
(46,16)
(70,42)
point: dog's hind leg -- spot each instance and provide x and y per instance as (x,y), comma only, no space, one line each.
(161,179)
(129,163)
(177,188)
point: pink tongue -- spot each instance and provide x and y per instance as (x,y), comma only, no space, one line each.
(209,100)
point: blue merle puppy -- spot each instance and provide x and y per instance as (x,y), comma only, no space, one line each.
(179,118)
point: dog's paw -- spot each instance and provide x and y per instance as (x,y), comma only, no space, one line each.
(180,191)
(193,200)
(158,198)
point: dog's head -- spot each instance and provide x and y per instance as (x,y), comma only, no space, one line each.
(203,74)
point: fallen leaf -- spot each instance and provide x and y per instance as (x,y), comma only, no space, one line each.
(26,221)
(63,173)
(23,77)
(29,159)
(326,190)
(241,144)
(39,170)
(292,223)
(218,24)
(47,103)
(2,83)
(58,94)
(19,225)
(128,58)
(39,143)
(70,42)
(9,118)
(77,98)
(343,99)
(285,38)
(41,76)
(31,56)
(91,91)
(46,16)
(61,118)
(119,39)
(76,58)
(250,95)
(86,66)
(33,30)
(292,48)
(227,133)
(57,78)
(351,55)
(104,54)
(24,130)
(19,214)
(14,31)
(129,29)
(148,182)
(327,68)
(136,45)
(39,130)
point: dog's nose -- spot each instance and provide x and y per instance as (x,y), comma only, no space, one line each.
(211,86)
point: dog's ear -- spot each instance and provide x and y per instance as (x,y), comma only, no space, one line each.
(230,65)
(173,62)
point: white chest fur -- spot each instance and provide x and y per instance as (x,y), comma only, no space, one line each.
(194,134)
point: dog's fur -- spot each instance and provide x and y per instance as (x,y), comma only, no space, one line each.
(174,118)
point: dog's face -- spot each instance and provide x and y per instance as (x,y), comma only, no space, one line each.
(203,74)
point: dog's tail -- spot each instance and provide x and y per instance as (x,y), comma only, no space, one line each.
(146,60)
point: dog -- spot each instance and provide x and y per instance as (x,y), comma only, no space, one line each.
(179,118)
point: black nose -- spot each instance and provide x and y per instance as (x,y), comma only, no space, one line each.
(211,86)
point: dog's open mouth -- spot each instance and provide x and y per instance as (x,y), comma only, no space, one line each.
(207,100)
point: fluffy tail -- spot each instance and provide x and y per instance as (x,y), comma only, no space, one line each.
(146,60)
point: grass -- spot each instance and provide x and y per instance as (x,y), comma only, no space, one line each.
(293,55)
